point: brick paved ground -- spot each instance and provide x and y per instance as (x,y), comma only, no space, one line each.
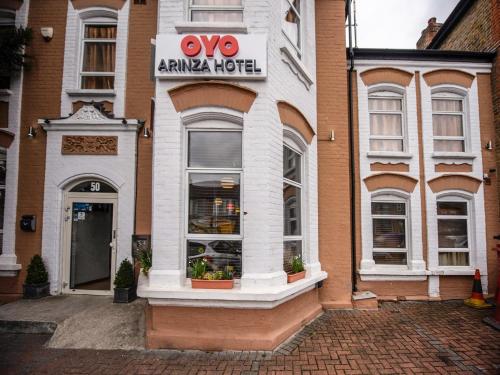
(446,338)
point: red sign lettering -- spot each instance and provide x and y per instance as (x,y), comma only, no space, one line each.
(228,45)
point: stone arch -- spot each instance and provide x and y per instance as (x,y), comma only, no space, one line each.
(112,4)
(448,77)
(455,182)
(384,181)
(292,117)
(386,75)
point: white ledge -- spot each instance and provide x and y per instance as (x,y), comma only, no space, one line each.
(5,92)
(394,274)
(389,155)
(297,67)
(9,269)
(91,93)
(464,271)
(210,27)
(453,155)
(254,298)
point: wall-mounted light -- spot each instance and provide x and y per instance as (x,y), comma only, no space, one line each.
(331,137)
(47,33)
(32,132)
(124,122)
(145,132)
(489,145)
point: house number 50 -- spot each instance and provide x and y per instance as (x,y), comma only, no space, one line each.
(95,186)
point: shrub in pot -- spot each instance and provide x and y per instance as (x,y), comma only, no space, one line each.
(203,279)
(298,271)
(36,284)
(125,291)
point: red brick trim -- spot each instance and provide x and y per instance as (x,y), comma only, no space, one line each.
(112,4)
(390,181)
(291,116)
(448,76)
(212,93)
(386,75)
(454,182)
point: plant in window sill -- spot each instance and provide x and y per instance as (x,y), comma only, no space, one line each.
(203,279)
(145,259)
(298,271)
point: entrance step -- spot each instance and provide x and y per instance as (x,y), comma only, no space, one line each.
(365,301)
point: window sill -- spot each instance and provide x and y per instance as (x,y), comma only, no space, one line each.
(210,27)
(453,155)
(459,271)
(297,67)
(388,155)
(91,93)
(392,274)
(260,298)
(5,92)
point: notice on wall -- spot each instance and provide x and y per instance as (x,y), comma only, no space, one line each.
(221,56)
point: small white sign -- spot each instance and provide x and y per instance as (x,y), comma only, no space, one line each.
(81,215)
(221,56)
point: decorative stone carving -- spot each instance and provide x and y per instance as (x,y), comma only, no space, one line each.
(89,145)
(88,113)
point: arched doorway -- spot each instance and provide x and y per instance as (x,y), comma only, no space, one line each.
(89,237)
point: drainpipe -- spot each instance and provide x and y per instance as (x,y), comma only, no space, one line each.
(351,151)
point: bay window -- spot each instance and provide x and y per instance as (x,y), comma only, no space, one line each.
(453,231)
(448,122)
(216,10)
(214,166)
(98,54)
(386,121)
(292,23)
(389,229)
(292,206)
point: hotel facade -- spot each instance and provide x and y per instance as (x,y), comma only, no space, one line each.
(243,133)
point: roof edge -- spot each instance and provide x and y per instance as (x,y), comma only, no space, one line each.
(421,55)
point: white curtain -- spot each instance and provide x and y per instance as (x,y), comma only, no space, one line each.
(386,124)
(447,124)
(217,16)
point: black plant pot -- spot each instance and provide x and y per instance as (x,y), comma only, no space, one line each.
(125,295)
(35,291)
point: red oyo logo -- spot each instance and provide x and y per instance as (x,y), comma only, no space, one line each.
(191,45)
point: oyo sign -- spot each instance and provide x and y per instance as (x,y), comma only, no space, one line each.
(211,55)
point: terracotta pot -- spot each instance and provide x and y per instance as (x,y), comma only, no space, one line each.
(212,284)
(292,277)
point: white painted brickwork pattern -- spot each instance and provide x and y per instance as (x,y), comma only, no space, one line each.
(262,146)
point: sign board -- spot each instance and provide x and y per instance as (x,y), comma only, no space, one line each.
(220,56)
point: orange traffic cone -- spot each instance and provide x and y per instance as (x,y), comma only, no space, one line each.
(477,299)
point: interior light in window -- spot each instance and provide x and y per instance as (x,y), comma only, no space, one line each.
(227,183)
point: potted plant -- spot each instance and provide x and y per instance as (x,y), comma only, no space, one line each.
(203,279)
(36,284)
(125,291)
(298,271)
(145,258)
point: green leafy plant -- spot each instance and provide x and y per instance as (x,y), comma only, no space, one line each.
(125,276)
(12,43)
(145,258)
(199,271)
(297,264)
(198,268)
(37,274)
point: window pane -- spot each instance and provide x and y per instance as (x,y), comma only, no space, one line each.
(452,233)
(214,149)
(447,125)
(452,208)
(214,203)
(291,24)
(219,255)
(453,259)
(100,31)
(389,233)
(216,16)
(3,167)
(389,258)
(291,249)
(292,210)
(449,146)
(445,105)
(99,57)
(385,124)
(388,208)
(291,165)
(375,104)
(386,145)
(98,82)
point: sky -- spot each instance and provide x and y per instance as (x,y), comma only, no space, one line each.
(397,23)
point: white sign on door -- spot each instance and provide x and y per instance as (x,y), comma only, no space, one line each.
(211,56)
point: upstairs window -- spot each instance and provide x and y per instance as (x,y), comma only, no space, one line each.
(98,55)
(216,10)
(7,25)
(292,22)
(448,122)
(386,121)
(453,231)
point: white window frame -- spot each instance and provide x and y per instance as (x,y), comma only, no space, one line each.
(104,21)
(392,197)
(468,217)
(3,156)
(190,170)
(384,92)
(214,8)
(7,21)
(299,45)
(447,93)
